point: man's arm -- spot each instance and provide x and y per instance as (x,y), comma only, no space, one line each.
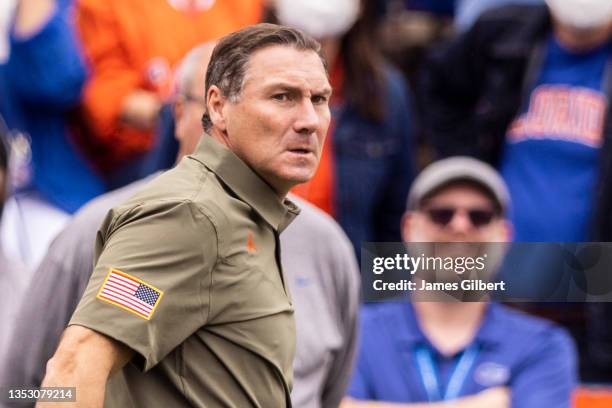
(498,397)
(115,94)
(548,376)
(46,66)
(85,359)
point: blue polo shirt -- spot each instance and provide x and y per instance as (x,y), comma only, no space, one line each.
(534,357)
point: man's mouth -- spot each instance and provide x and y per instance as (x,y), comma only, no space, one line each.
(300,150)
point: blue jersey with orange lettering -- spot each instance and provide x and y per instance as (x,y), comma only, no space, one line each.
(551,154)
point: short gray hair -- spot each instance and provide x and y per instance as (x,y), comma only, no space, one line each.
(190,67)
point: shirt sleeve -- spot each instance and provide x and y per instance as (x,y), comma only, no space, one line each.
(547,378)
(169,248)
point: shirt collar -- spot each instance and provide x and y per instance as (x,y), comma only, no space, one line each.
(245,183)
(409,333)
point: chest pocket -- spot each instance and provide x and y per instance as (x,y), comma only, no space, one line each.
(248,286)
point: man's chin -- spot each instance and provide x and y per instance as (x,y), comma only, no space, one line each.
(300,175)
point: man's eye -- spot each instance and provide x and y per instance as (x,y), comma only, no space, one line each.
(281,97)
(317,99)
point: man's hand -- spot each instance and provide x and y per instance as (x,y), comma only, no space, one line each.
(497,397)
(84,359)
(141,109)
(32,15)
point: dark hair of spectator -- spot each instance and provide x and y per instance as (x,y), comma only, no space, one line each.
(4,162)
(4,149)
(364,84)
(229,59)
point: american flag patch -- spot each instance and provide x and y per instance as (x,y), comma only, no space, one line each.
(130,293)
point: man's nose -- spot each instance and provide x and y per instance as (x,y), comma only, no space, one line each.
(307,118)
(460,222)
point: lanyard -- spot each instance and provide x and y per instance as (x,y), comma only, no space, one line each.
(427,369)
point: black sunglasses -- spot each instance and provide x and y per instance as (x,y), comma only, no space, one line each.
(442,216)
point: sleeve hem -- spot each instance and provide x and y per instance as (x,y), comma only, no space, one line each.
(142,354)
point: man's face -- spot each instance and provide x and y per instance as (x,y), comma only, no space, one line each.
(279,122)
(188,129)
(456,220)
(457,213)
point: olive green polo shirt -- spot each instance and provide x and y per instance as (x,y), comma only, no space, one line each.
(187,274)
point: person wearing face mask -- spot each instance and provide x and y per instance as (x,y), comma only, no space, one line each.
(528,89)
(367,163)
(476,354)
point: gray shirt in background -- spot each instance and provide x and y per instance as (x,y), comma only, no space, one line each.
(317,258)
(319,261)
(13,282)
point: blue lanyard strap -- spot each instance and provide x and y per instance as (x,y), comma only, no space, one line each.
(427,369)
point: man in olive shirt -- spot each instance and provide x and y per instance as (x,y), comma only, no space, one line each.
(316,257)
(187,284)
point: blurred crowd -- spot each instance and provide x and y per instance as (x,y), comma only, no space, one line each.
(96,95)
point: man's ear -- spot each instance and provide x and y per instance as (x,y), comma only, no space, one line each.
(179,108)
(215,102)
(508,231)
(406,225)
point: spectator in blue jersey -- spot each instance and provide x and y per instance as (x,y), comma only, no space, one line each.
(461,354)
(527,89)
(528,93)
(41,78)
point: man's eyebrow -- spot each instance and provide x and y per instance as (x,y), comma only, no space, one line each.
(327,91)
(284,86)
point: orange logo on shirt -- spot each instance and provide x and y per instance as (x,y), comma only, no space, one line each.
(251,243)
(560,112)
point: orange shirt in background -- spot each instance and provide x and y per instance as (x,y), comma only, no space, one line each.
(136,44)
(320,189)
